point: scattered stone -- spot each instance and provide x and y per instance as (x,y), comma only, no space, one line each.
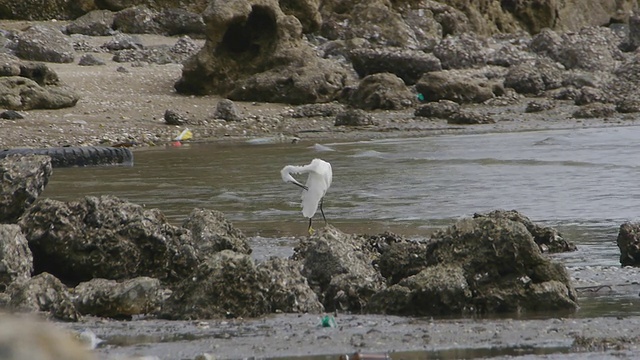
(316,110)
(539,105)
(172,117)
(455,85)
(93,23)
(383,91)
(442,109)
(90,60)
(44,43)
(16,261)
(22,180)
(212,232)
(469,117)
(595,110)
(227,110)
(121,300)
(122,69)
(353,117)
(19,93)
(123,42)
(43,292)
(11,115)
(136,20)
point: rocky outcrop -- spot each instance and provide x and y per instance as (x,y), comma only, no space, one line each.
(22,179)
(381,91)
(458,86)
(288,290)
(42,293)
(481,265)
(106,237)
(549,240)
(211,232)
(409,65)
(254,52)
(629,244)
(121,300)
(16,262)
(339,269)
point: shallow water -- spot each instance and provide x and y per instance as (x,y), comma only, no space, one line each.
(583,182)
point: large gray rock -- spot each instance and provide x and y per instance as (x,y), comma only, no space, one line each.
(93,23)
(459,86)
(481,265)
(534,77)
(212,232)
(339,269)
(254,52)
(22,179)
(226,284)
(180,22)
(289,291)
(19,93)
(44,43)
(136,20)
(106,237)
(109,298)
(460,52)
(16,261)
(408,65)
(24,337)
(43,293)
(381,91)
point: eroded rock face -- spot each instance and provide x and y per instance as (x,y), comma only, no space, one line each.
(22,179)
(226,284)
(109,298)
(481,265)
(106,237)
(45,293)
(212,232)
(254,52)
(16,261)
(339,269)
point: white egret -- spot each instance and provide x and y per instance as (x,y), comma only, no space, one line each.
(319,180)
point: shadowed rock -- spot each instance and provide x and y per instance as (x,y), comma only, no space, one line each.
(106,237)
(255,52)
(406,64)
(19,93)
(22,179)
(93,23)
(381,91)
(109,298)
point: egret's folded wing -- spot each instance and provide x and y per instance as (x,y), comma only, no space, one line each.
(311,198)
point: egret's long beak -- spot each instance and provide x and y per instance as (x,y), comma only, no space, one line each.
(298,184)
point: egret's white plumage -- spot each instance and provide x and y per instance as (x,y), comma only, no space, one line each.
(318,182)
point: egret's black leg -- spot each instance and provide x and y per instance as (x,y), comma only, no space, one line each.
(322,211)
(310,230)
